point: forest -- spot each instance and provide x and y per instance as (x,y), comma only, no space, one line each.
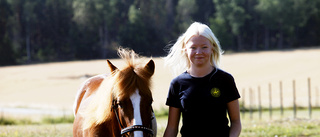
(35,31)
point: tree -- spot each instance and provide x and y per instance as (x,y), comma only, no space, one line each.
(6,52)
(50,30)
(185,10)
(308,34)
(205,10)
(55,30)
(102,20)
(252,25)
(223,32)
(283,16)
(233,14)
(145,26)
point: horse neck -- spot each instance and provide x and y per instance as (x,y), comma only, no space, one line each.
(109,128)
(115,129)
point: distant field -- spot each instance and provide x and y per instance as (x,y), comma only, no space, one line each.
(54,85)
(44,89)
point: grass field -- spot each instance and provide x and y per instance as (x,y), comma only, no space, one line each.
(52,87)
(286,127)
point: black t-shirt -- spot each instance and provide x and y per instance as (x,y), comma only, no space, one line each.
(203,102)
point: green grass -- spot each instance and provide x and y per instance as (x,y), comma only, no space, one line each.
(12,121)
(44,120)
(48,126)
(278,126)
(281,128)
(43,130)
(58,120)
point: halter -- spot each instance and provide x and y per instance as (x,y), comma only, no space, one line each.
(125,131)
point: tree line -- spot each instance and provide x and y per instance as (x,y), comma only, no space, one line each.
(59,30)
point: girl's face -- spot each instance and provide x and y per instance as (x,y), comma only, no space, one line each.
(199,50)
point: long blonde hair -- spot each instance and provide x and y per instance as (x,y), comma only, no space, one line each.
(177,59)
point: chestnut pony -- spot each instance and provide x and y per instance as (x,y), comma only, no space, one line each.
(117,104)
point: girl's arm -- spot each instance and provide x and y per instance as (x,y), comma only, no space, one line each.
(173,122)
(234,115)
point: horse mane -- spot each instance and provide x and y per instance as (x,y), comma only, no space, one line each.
(120,84)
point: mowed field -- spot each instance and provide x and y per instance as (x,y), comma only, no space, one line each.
(53,86)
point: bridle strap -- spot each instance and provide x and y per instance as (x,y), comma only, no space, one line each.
(132,128)
(136,127)
(114,109)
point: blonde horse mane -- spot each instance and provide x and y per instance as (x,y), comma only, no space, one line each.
(120,84)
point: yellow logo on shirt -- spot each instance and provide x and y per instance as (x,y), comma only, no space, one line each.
(215,92)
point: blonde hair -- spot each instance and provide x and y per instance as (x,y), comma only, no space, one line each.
(177,58)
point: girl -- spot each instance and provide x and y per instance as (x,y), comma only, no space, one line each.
(203,93)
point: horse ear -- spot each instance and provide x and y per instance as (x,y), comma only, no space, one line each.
(150,67)
(111,66)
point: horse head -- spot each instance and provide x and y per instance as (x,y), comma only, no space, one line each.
(117,104)
(132,99)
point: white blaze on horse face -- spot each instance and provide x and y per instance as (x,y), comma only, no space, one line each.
(135,99)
